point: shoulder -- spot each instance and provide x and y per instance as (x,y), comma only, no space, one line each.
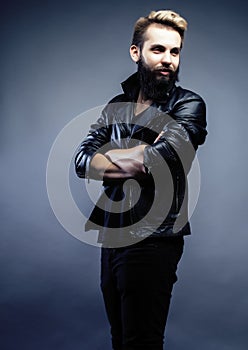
(114,105)
(184,102)
(112,108)
(182,95)
(119,98)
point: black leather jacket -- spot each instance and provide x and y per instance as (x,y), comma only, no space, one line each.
(146,206)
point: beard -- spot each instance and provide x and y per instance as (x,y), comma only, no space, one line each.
(155,87)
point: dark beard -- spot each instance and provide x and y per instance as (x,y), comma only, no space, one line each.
(153,88)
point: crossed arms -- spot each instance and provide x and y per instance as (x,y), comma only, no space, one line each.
(179,140)
(119,163)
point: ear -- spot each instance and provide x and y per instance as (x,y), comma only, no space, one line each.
(134,53)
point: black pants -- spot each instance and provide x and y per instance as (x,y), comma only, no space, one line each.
(136,283)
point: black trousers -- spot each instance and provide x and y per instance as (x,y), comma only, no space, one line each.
(136,282)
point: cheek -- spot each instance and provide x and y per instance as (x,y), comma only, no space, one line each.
(175,62)
(152,61)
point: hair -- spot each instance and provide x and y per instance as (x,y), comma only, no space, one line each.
(164,17)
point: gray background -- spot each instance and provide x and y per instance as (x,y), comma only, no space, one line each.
(60,58)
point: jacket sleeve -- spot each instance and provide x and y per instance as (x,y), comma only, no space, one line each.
(94,142)
(183,132)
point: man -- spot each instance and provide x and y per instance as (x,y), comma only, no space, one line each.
(142,147)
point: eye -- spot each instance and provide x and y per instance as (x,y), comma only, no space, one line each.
(175,52)
(157,49)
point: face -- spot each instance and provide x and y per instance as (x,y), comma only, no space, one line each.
(160,52)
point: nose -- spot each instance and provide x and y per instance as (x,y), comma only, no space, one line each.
(166,59)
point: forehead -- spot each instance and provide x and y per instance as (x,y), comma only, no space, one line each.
(162,35)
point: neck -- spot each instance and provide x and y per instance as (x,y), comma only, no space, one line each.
(143,100)
(142,103)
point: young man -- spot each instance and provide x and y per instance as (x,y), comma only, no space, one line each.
(142,147)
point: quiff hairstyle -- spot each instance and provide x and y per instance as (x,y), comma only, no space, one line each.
(164,17)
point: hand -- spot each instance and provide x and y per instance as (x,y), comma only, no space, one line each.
(131,167)
(135,153)
(157,138)
(130,160)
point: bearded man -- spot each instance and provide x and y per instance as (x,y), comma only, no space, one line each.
(142,147)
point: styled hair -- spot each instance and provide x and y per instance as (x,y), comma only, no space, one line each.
(164,17)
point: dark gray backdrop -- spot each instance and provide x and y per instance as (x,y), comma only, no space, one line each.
(60,58)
